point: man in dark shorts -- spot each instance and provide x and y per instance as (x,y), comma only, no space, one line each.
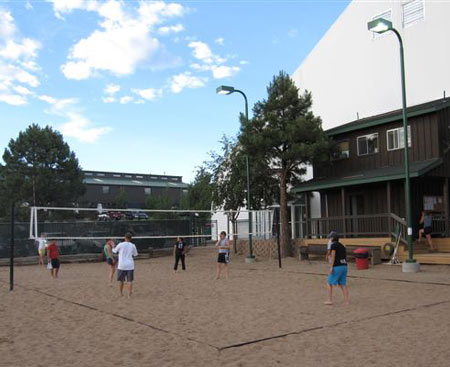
(125,270)
(53,258)
(179,251)
(337,275)
(425,229)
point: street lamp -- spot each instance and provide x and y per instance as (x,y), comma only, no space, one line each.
(381,25)
(224,89)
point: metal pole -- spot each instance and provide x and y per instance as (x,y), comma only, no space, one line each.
(405,137)
(250,239)
(11,260)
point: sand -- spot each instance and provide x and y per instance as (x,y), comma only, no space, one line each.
(260,316)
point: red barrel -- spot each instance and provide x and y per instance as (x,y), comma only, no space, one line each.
(361,258)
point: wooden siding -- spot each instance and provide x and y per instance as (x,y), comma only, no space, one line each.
(425,140)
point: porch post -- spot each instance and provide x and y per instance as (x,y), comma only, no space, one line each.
(326,212)
(446,209)
(307,214)
(389,207)
(344,227)
(292,221)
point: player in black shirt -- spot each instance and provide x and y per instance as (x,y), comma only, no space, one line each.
(179,251)
(338,269)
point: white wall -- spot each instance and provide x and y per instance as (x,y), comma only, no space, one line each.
(350,71)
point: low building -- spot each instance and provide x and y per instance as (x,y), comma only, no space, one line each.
(105,188)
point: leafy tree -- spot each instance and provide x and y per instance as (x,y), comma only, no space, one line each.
(161,202)
(121,200)
(40,169)
(286,136)
(200,191)
(230,181)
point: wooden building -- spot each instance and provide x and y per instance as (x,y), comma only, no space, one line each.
(362,187)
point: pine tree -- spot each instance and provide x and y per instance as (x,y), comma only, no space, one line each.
(286,136)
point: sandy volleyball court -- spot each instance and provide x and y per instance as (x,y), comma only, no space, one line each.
(261,316)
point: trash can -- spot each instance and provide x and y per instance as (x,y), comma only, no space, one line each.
(361,258)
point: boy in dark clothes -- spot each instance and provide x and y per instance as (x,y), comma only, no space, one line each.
(338,269)
(179,251)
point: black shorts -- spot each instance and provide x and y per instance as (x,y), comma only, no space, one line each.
(110,261)
(125,275)
(223,258)
(427,230)
(55,263)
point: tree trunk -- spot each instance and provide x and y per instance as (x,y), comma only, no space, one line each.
(235,237)
(285,241)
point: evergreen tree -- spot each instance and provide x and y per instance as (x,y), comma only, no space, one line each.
(40,169)
(285,136)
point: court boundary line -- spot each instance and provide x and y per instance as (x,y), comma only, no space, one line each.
(350,276)
(113,314)
(324,327)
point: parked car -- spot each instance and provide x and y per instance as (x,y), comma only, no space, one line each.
(142,215)
(136,215)
(103,217)
(115,215)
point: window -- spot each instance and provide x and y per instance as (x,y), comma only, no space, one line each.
(100,174)
(147,190)
(185,191)
(385,15)
(153,177)
(87,173)
(413,11)
(368,144)
(128,176)
(105,189)
(116,175)
(343,150)
(139,176)
(396,140)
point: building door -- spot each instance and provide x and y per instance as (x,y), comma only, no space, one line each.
(356,209)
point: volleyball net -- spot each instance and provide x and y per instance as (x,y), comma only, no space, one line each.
(85,230)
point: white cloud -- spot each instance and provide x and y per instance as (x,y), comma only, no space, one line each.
(7,25)
(76,125)
(220,41)
(17,62)
(186,80)
(126,99)
(13,99)
(48,99)
(201,51)
(22,90)
(111,89)
(28,5)
(14,50)
(170,29)
(220,72)
(108,99)
(244,62)
(149,94)
(124,40)
(211,62)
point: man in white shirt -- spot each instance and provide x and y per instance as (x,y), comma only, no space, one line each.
(125,270)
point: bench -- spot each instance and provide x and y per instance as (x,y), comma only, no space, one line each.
(321,250)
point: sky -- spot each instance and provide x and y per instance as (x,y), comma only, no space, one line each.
(131,84)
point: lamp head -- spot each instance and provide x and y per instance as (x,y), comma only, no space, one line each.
(379,25)
(224,89)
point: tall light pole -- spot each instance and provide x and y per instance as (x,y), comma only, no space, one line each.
(381,26)
(224,89)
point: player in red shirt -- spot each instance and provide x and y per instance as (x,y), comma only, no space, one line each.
(53,258)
